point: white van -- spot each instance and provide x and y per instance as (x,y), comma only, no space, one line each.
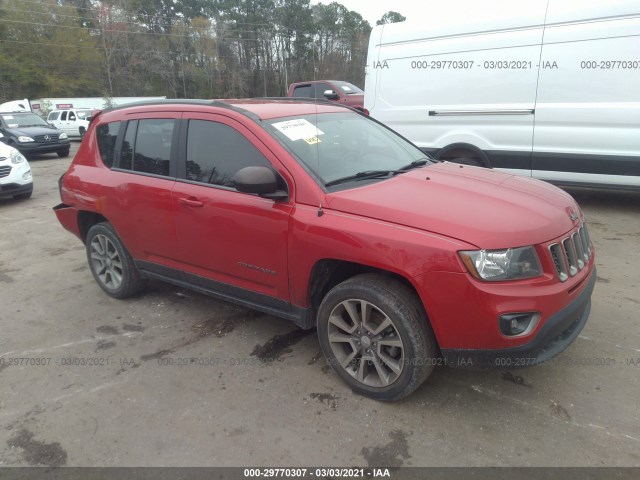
(543,88)
(74,122)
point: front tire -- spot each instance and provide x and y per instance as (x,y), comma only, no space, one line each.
(111,264)
(375,334)
(63,153)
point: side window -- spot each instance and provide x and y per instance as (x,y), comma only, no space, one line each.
(54,115)
(321,88)
(72,116)
(63,116)
(126,153)
(152,149)
(107,134)
(303,91)
(215,153)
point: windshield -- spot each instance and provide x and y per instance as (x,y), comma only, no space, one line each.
(349,88)
(339,145)
(83,114)
(18,120)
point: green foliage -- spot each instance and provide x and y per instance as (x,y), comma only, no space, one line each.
(391,17)
(177,48)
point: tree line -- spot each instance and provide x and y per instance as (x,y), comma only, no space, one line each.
(177,48)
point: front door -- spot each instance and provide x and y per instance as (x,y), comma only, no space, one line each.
(225,236)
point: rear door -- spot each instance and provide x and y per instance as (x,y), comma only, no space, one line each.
(143,175)
(225,236)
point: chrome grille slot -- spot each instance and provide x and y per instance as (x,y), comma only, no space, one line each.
(577,245)
(571,254)
(587,239)
(557,256)
(5,170)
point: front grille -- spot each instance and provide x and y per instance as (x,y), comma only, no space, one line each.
(5,170)
(572,253)
(53,137)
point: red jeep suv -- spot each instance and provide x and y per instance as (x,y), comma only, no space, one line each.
(323,216)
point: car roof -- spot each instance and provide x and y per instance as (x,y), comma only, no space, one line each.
(256,108)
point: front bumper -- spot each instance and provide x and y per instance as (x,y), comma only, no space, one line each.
(557,333)
(11,189)
(30,148)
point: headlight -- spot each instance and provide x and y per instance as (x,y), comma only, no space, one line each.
(16,157)
(62,136)
(24,139)
(496,265)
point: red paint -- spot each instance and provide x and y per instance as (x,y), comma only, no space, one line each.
(407,225)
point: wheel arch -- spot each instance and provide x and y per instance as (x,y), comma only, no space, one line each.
(445,152)
(329,272)
(86,220)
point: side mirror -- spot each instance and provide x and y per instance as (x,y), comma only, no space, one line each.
(261,181)
(330,95)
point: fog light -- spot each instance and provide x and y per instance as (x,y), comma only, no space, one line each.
(26,175)
(512,324)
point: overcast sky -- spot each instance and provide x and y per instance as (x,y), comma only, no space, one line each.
(372,10)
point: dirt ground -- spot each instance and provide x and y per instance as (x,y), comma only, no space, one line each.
(174,378)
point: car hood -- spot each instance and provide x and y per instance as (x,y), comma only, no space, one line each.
(31,131)
(486,208)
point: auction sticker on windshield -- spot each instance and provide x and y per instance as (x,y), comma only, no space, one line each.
(298,129)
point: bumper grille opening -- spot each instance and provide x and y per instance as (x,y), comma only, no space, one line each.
(5,170)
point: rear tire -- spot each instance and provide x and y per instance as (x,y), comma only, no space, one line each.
(384,353)
(111,264)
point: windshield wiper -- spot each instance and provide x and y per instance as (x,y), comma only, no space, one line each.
(415,164)
(367,174)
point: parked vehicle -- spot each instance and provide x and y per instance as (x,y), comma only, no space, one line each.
(320,215)
(30,134)
(73,122)
(334,90)
(547,88)
(15,174)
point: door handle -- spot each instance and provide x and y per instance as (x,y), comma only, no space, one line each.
(191,201)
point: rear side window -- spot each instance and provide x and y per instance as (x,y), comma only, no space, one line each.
(146,147)
(107,135)
(303,91)
(215,153)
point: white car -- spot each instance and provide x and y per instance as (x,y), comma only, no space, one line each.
(15,174)
(73,122)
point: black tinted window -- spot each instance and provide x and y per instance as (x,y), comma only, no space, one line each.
(107,135)
(126,153)
(63,116)
(152,150)
(54,115)
(321,88)
(304,91)
(215,153)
